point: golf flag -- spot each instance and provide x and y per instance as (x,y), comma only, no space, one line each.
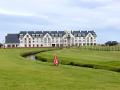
(55,61)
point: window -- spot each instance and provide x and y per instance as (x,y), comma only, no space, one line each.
(79,35)
(45,40)
(29,45)
(21,36)
(25,45)
(49,40)
(37,45)
(91,39)
(65,41)
(60,35)
(37,35)
(53,35)
(87,39)
(89,35)
(25,40)
(41,35)
(75,40)
(27,36)
(33,35)
(56,35)
(83,44)
(33,45)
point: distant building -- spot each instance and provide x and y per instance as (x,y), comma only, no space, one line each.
(50,39)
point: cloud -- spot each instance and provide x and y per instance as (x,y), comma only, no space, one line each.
(74,14)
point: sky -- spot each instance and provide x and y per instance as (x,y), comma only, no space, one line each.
(102,16)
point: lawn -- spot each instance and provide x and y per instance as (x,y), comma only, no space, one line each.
(18,73)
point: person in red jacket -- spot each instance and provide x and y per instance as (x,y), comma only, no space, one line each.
(55,60)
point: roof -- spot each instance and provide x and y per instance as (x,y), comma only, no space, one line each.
(12,38)
(83,33)
(60,33)
(93,33)
(52,33)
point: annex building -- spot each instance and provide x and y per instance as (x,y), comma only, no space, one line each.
(50,39)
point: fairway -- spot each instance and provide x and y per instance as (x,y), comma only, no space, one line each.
(19,73)
(108,60)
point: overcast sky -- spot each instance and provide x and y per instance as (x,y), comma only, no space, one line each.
(103,16)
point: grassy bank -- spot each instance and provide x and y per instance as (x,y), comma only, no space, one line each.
(108,60)
(18,73)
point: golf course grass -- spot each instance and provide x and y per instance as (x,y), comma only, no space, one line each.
(19,73)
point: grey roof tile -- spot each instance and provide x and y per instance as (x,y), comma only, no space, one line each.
(12,38)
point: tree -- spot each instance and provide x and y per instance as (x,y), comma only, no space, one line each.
(1,45)
(111,43)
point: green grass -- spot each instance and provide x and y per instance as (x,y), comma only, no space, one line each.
(102,48)
(18,73)
(109,60)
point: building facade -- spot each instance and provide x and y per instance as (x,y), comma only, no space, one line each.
(50,39)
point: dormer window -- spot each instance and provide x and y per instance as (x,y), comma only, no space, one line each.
(75,35)
(60,35)
(27,36)
(83,34)
(56,35)
(33,35)
(21,34)
(79,35)
(89,35)
(52,35)
(37,35)
(41,34)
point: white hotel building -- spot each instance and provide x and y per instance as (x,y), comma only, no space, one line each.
(50,39)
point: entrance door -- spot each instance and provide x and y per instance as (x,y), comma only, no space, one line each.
(53,45)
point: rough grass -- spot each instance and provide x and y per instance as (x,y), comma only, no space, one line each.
(18,73)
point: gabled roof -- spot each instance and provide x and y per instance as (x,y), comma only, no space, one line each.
(52,33)
(59,33)
(93,33)
(23,32)
(12,38)
(84,33)
(38,32)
